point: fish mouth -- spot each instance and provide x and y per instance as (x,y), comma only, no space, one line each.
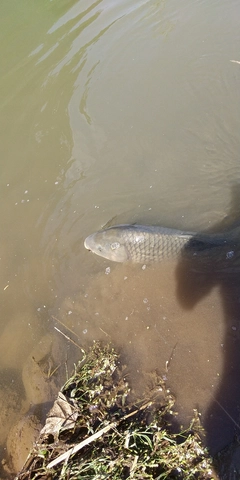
(86,245)
(89,243)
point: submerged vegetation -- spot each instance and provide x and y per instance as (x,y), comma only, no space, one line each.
(97,430)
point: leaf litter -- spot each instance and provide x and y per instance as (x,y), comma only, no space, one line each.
(97,429)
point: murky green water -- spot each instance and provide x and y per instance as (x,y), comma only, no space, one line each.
(127,109)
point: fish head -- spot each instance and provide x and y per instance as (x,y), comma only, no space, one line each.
(108,244)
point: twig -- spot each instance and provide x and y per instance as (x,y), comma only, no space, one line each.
(68,338)
(225,411)
(95,436)
(133,467)
(167,364)
(65,326)
(107,334)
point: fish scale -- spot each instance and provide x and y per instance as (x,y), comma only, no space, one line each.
(154,247)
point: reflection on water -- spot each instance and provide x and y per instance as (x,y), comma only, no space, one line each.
(108,108)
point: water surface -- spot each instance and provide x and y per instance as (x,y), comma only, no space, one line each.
(130,110)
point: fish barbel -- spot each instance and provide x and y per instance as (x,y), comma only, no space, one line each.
(149,244)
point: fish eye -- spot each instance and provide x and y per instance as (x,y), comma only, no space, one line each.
(115,245)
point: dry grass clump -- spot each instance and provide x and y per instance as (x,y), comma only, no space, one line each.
(96,430)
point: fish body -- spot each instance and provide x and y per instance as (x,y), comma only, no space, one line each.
(137,243)
(150,244)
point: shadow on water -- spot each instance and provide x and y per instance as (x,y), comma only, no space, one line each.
(201,268)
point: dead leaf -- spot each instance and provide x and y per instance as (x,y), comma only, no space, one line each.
(62,416)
